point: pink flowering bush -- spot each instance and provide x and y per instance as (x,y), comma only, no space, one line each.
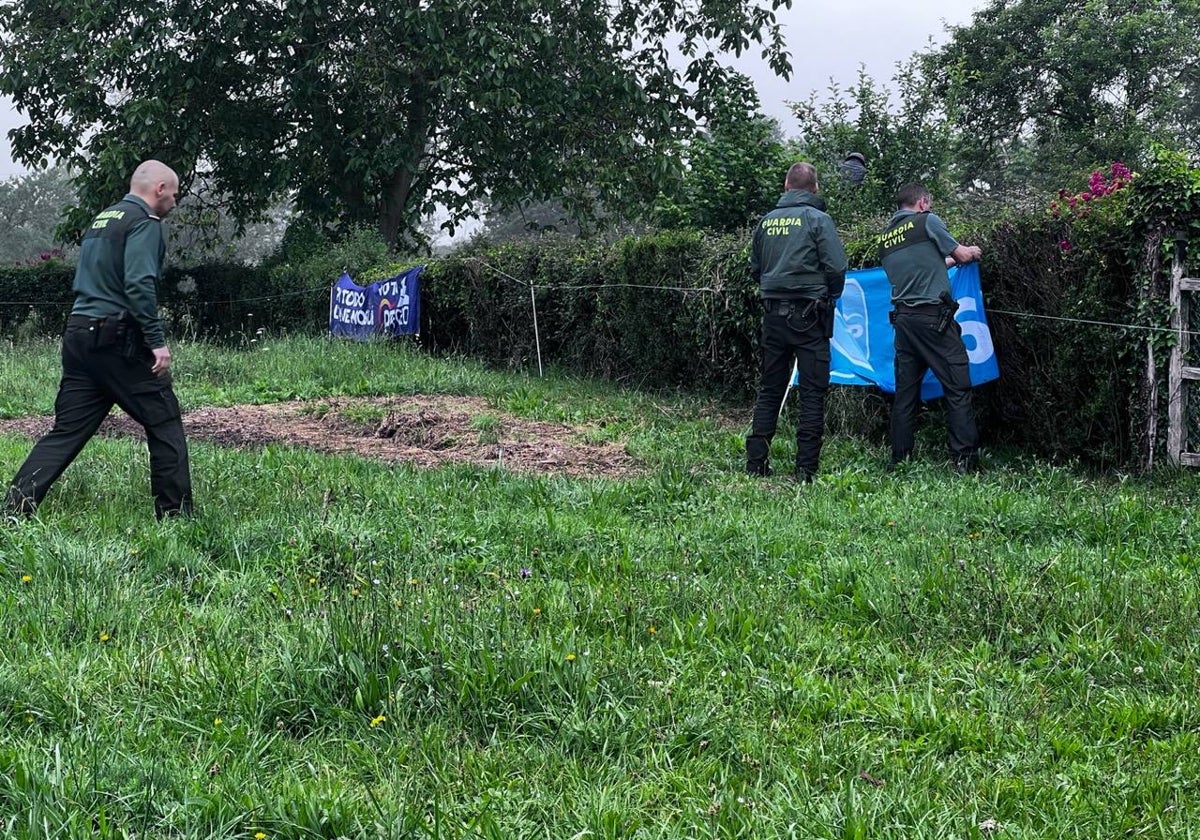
(1104,197)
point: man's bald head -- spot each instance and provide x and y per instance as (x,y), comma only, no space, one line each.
(156,184)
(801,176)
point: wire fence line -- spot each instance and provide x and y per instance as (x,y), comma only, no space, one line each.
(681,289)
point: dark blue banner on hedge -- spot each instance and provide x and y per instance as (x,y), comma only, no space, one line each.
(862,349)
(389,307)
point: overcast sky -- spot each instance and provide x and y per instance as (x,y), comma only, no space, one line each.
(831,40)
(826,40)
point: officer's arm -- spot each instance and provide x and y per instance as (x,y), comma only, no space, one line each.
(143,262)
(947,245)
(833,258)
(966,253)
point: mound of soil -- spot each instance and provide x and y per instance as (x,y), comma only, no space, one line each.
(422,430)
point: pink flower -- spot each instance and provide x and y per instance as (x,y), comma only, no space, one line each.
(1087,196)
(1064,245)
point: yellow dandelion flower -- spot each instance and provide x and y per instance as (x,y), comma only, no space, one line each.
(26,578)
(354,591)
(570,657)
(653,629)
(104,637)
(379,720)
(260,835)
(537,610)
(312,581)
(216,721)
(413,581)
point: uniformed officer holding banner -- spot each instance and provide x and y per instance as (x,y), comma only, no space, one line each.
(914,252)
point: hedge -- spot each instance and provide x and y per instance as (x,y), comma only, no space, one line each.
(678,309)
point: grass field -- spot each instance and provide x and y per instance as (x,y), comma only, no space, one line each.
(336,647)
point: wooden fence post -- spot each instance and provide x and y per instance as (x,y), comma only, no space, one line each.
(1178,373)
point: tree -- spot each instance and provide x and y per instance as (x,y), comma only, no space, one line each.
(1043,88)
(904,139)
(373,112)
(31,206)
(734,167)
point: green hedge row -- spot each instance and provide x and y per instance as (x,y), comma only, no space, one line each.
(210,301)
(1067,390)
(654,311)
(679,309)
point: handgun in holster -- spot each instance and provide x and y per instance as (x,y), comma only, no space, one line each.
(827,309)
(946,313)
(113,331)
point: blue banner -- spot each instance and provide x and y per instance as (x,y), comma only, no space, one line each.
(389,307)
(862,348)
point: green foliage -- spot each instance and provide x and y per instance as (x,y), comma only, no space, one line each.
(904,137)
(31,206)
(373,115)
(1036,87)
(626,311)
(1168,193)
(733,169)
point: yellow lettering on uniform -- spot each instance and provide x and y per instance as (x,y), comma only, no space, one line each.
(99,223)
(895,236)
(780,225)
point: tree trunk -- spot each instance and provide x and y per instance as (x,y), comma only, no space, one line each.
(398,194)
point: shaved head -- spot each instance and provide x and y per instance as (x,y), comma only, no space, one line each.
(156,184)
(801,176)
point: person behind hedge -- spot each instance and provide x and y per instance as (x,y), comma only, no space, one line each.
(113,350)
(915,250)
(854,168)
(800,265)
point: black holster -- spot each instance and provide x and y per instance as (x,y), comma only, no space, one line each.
(122,333)
(946,312)
(113,331)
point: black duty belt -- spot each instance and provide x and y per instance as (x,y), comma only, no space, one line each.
(786,306)
(85,321)
(919,308)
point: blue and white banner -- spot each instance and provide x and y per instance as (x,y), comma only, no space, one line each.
(389,307)
(862,349)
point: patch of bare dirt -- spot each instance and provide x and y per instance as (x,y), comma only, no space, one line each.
(422,430)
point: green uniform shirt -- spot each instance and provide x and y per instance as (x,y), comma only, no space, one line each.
(120,260)
(796,252)
(913,253)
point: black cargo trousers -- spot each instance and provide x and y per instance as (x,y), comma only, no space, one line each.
(792,330)
(102,366)
(927,338)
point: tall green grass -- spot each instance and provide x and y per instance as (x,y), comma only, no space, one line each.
(337,647)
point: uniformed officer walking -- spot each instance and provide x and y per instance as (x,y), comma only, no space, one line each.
(914,252)
(113,350)
(800,266)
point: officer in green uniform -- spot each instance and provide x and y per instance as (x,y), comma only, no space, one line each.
(113,350)
(914,252)
(800,266)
